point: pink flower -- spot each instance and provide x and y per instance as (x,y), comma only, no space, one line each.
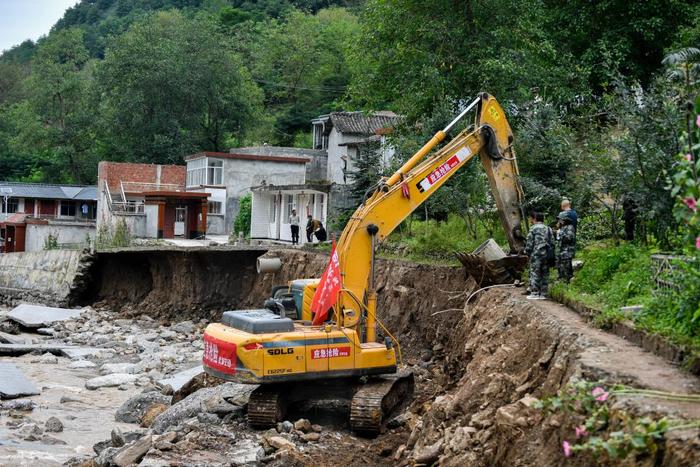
(689,157)
(581,431)
(567,448)
(697,120)
(691,203)
(600,394)
(697,243)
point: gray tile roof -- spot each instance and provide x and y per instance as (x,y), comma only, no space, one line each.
(362,123)
(46,191)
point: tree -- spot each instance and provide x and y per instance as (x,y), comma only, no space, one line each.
(301,64)
(60,90)
(172,85)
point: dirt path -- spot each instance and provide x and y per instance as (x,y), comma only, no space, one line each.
(625,361)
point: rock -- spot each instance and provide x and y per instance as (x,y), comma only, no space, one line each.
(399,452)
(528,401)
(47,358)
(134,409)
(36,316)
(67,399)
(426,355)
(23,405)
(133,452)
(117,438)
(30,432)
(208,419)
(317,428)
(397,421)
(81,364)
(13,383)
(199,401)
(105,456)
(116,379)
(110,368)
(311,437)
(46,331)
(285,427)
(279,442)
(415,433)
(184,327)
(302,425)
(177,382)
(429,454)
(151,413)
(7,338)
(51,441)
(53,425)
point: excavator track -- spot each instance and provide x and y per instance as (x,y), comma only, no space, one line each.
(375,400)
(266,407)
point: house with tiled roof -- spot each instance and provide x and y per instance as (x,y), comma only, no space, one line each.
(33,213)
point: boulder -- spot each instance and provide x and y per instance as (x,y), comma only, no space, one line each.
(110,368)
(133,452)
(429,454)
(184,327)
(53,425)
(200,401)
(279,442)
(150,415)
(134,409)
(311,437)
(116,379)
(81,364)
(302,425)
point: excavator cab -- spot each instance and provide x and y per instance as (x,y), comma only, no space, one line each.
(293,300)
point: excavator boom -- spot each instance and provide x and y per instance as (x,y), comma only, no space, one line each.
(491,139)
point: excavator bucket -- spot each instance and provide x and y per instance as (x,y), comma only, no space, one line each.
(490,265)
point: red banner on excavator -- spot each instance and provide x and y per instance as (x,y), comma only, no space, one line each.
(329,287)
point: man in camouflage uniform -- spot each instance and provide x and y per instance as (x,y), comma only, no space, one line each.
(538,244)
(566,247)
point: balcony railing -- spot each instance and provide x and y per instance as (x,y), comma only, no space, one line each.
(128,207)
(139,187)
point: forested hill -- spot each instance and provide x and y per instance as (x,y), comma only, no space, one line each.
(597,92)
(101,19)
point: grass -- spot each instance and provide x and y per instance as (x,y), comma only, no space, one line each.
(616,276)
(434,242)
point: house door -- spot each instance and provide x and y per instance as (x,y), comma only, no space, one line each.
(180,218)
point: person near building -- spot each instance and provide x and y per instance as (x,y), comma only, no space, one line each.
(566,247)
(539,246)
(321,233)
(294,225)
(311,227)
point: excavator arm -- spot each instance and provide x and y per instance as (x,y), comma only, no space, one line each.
(396,198)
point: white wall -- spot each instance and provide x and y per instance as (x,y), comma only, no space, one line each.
(336,164)
(151,222)
(36,234)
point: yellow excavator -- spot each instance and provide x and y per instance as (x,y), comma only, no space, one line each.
(293,360)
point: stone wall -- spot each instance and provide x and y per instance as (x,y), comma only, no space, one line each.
(46,277)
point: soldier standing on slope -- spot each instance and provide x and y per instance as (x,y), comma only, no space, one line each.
(539,247)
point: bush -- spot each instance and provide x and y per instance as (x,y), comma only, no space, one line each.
(122,234)
(51,242)
(242,221)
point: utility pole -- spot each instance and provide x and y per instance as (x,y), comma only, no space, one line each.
(6,193)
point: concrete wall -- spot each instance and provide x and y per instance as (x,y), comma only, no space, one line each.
(66,232)
(241,175)
(335,163)
(316,168)
(41,276)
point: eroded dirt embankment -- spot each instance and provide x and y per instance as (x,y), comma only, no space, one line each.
(478,369)
(172,284)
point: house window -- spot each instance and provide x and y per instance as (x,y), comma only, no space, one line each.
(215,172)
(12,206)
(197,172)
(290,205)
(216,208)
(67,209)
